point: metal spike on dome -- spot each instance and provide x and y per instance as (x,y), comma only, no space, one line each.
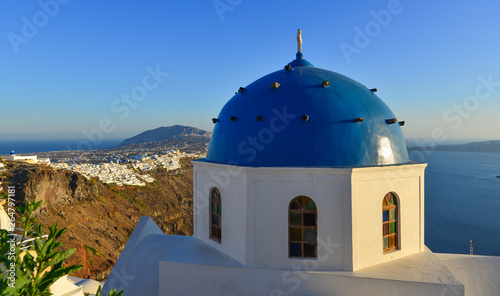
(373,90)
(325,83)
(260,118)
(401,123)
(359,119)
(288,67)
(233,118)
(305,117)
(215,120)
(242,90)
(391,121)
(275,85)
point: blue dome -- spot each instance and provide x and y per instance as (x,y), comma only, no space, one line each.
(306,116)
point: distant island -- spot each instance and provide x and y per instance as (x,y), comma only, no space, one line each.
(486,146)
(162,134)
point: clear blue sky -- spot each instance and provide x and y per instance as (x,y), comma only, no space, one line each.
(65,66)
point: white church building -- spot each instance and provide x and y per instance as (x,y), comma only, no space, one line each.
(306,189)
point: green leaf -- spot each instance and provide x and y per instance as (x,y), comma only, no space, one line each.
(39,231)
(38,204)
(21,210)
(35,274)
(111,293)
(53,275)
(29,261)
(22,282)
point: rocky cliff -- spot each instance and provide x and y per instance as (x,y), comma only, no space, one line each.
(100,218)
(53,187)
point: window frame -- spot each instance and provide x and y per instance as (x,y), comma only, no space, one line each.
(217,236)
(302,210)
(387,206)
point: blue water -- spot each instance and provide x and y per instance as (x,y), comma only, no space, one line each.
(462,202)
(31,146)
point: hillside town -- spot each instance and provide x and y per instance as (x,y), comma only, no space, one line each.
(109,173)
(122,168)
(129,173)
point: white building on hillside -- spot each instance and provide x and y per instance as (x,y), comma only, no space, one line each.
(307,189)
(24,158)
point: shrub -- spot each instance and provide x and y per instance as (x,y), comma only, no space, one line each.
(30,275)
(24,274)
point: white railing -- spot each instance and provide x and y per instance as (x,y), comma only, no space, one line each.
(28,241)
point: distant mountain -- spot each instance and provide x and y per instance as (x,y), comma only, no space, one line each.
(166,133)
(486,146)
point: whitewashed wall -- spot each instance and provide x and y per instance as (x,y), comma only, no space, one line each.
(349,204)
(369,186)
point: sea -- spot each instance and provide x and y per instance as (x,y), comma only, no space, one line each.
(462,202)
(462,194)
(33,146)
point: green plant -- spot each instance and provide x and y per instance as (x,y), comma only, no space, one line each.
(22,273)
(94,251)
(101,199)
(111,293)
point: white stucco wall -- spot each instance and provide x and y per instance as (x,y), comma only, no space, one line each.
(4,217)
(479,274)
(273,191)
(26,158)
(349,207)
(233,189)
(209,280)
(255,213)
(153,263)
(369,186)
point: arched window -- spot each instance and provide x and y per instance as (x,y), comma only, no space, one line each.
(215,215)
(390,222)
(302,228)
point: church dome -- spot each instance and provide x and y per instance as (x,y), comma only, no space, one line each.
(306,116)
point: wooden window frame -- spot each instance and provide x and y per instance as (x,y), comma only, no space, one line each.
(215,229)
(303,211)
(387,206)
